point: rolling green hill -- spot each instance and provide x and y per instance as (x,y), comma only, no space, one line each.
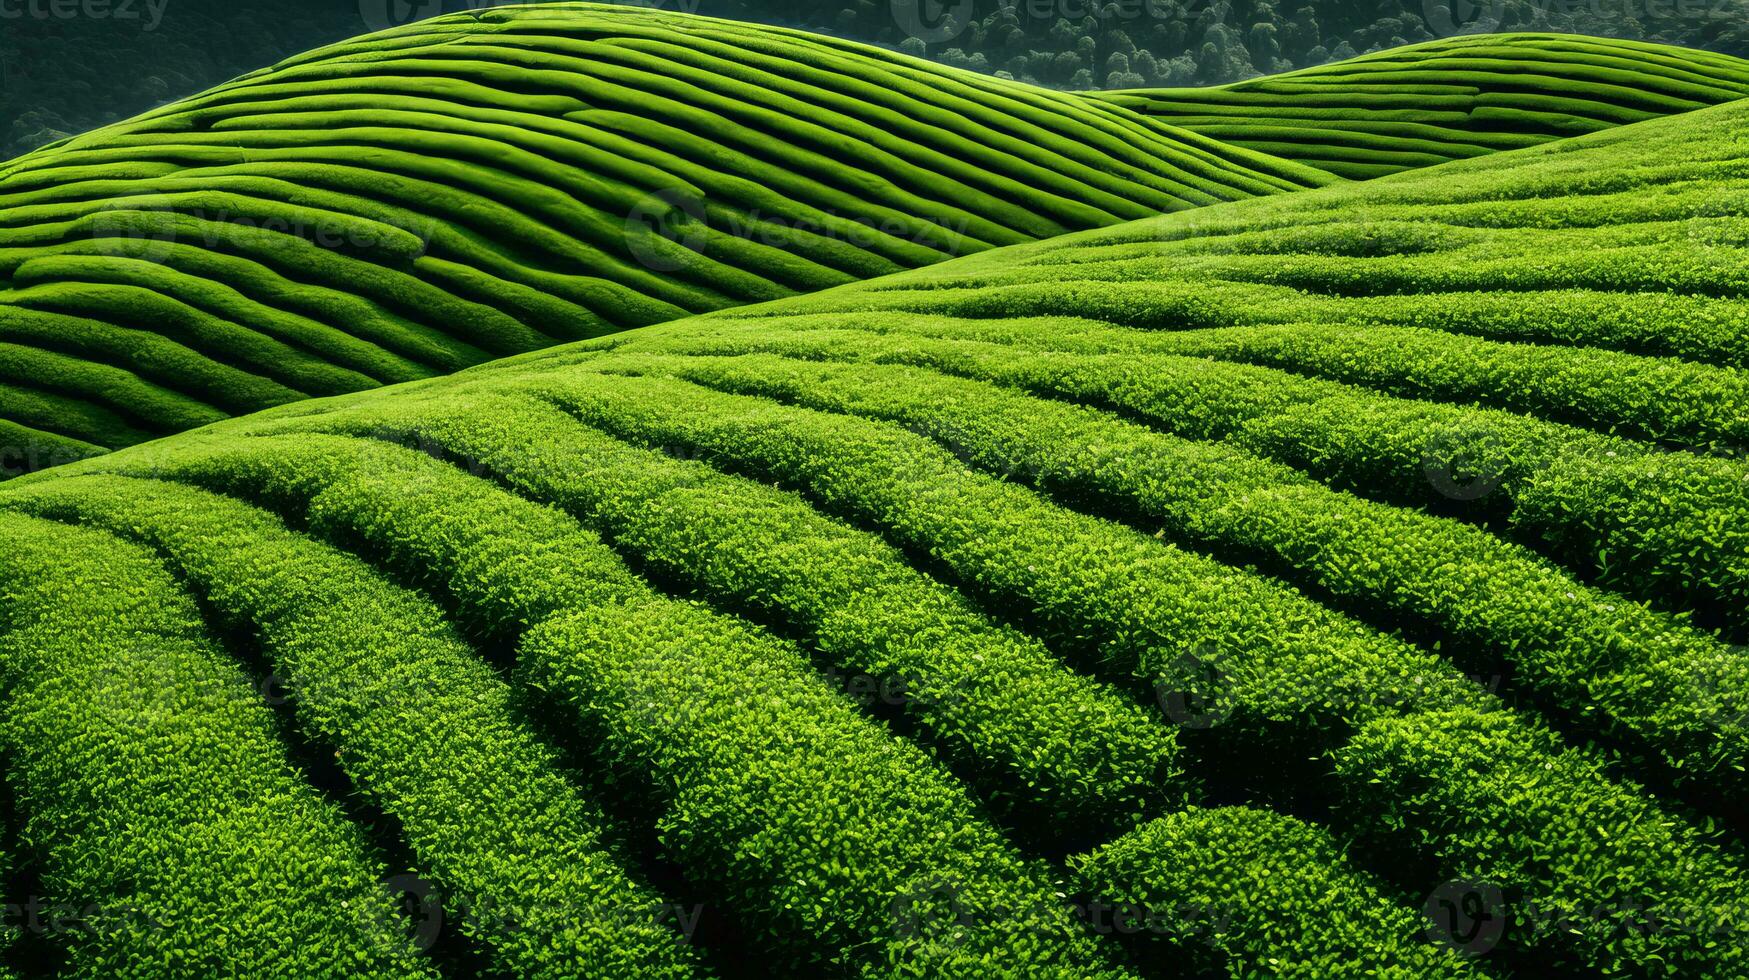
(410,203)
(1467,96)
(413,202)
(1271,572)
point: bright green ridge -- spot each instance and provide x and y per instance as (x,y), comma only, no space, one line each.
(417,513)
(1073,754)
(357,504)
(152,785)
(632,664)
(420,725)
(1667,690)
(1470,375)
(1452,99)
(1322,678)
(412,202)
(1286,879)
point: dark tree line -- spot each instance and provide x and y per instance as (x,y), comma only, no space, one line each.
(62,74)
(1134,43)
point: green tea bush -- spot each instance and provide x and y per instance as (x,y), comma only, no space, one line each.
(1300,911)
(171,830)
(419,724)
(1604,875)
(412,202)
(507,565)
(996,704)
(1479,593)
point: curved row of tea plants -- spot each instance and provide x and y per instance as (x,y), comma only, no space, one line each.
(1267,575)
(1493,603)
(505,565)
(168,825)
(1473,375)
(660,680)
(427,198)
(1451,99)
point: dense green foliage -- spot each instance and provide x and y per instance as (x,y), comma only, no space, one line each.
(1117,44)
(403,205)
(416,722)
(894,628)
(1160,879)
(171,831)
(1337,583)
(1430,103)
(406,204)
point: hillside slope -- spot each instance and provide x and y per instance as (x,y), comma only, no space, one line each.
(1274,571)
(1452,99)
(413,202)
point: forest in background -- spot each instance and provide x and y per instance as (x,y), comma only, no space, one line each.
(153,51)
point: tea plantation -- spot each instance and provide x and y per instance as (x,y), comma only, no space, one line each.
(406,204)
(420,200)
(1336,582)
(1426,104)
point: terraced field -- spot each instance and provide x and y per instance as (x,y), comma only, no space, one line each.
(1337,584)
(1453,99)
(413,202)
